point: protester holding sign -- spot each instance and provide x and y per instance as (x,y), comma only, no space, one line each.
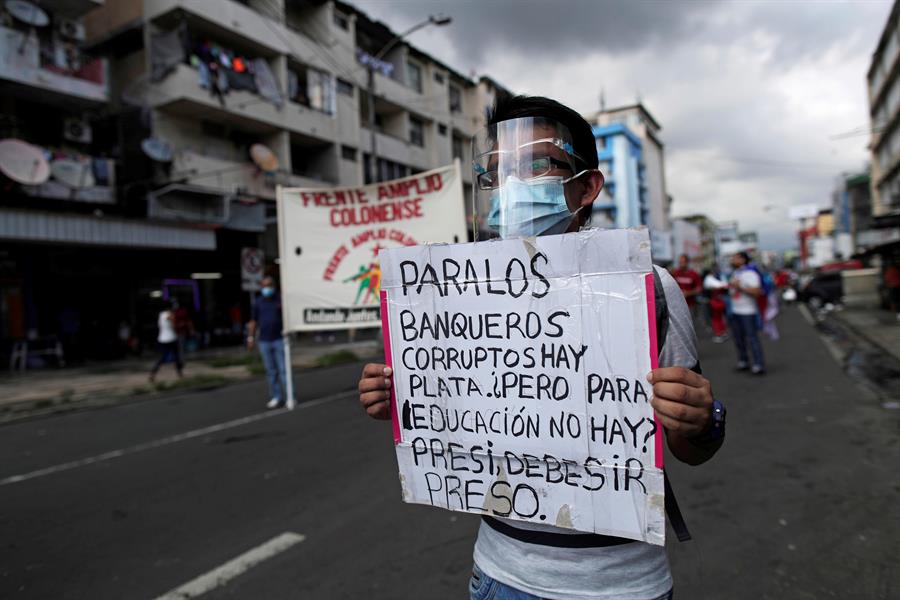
(536,174)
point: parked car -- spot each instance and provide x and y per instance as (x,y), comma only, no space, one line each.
(822,289)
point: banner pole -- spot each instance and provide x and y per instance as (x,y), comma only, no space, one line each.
(289,384)
(289,402)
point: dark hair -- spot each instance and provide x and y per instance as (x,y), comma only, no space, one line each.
(515,107)
(685,257)
(745,256)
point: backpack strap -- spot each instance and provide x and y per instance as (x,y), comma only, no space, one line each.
(662,329)
(662,311)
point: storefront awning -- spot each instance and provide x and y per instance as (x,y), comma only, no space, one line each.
(64,228)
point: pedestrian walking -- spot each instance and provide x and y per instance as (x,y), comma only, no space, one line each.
(547,185)
(264,331)
(167,339)
(746,287)
(717,290)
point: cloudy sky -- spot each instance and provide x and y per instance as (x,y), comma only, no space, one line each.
(751,95)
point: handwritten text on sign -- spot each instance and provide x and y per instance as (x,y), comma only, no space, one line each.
(519,380)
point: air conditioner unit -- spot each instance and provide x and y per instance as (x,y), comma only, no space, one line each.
(77,130)
(72,30)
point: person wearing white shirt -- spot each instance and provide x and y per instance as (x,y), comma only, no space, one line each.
(745,287)
(168,342)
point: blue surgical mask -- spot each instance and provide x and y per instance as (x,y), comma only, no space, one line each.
(531,207)
(268,292)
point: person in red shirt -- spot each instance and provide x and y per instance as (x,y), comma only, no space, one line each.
(689,281)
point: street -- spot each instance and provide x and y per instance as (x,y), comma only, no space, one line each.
(140,499)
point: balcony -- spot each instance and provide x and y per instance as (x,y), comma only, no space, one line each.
(465,124)
(232,178)
(227,20)
(395,149)
(70,9)
(225,176)
(70,79)
(181,94)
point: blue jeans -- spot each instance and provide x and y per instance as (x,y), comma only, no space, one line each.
(482,587)
(745,328)
(273,360)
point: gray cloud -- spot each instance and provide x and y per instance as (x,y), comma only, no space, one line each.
(748,93)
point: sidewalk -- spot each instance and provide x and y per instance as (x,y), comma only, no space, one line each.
(53,390)
(879,327)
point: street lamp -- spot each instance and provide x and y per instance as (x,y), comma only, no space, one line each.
(439,21)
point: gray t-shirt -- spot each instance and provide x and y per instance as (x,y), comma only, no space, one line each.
(632,571)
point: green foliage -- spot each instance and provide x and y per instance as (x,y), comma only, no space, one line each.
(337,358)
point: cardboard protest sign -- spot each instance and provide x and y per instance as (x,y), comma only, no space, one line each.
(330,240)
(520,384)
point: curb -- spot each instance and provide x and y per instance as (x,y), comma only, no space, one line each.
(865,336)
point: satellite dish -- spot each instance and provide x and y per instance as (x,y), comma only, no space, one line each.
(264,158)
(23,163)
(72,173)
(157,150)
(28,13)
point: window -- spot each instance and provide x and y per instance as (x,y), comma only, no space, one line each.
(416,131)
(341,21)
(414,76)
(455,99)
(385,170)
(344,87)
(439,78)
(313,88)
(442,129)
(457,149)
(348,153)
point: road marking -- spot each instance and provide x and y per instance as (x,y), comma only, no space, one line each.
(833,349)
(234,567)
(172,439)
(806,314)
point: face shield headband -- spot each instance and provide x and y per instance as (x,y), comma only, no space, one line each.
(521,168)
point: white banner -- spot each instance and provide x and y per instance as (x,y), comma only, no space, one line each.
(330,240)
(519,385)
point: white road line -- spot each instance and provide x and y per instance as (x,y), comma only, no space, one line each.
(806,314)
(234,567)
(172,439)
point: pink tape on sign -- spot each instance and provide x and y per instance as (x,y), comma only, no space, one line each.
(654,357)
(386,332)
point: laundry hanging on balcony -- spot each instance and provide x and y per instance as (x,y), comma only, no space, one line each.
(266,82)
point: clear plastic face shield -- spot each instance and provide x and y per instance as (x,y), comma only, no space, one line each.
(525,180)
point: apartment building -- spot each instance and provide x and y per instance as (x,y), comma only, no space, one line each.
(629,142)
(884,107)
(174,93)
(623,201)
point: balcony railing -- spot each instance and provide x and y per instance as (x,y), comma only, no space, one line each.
(57,68)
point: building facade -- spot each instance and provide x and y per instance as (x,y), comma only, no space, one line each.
(883,80)
(623,201)
(650,202)
(161,101)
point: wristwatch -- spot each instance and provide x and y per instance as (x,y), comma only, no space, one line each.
(716,429)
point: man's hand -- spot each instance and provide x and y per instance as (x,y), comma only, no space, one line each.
(682,400)
(375,390)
